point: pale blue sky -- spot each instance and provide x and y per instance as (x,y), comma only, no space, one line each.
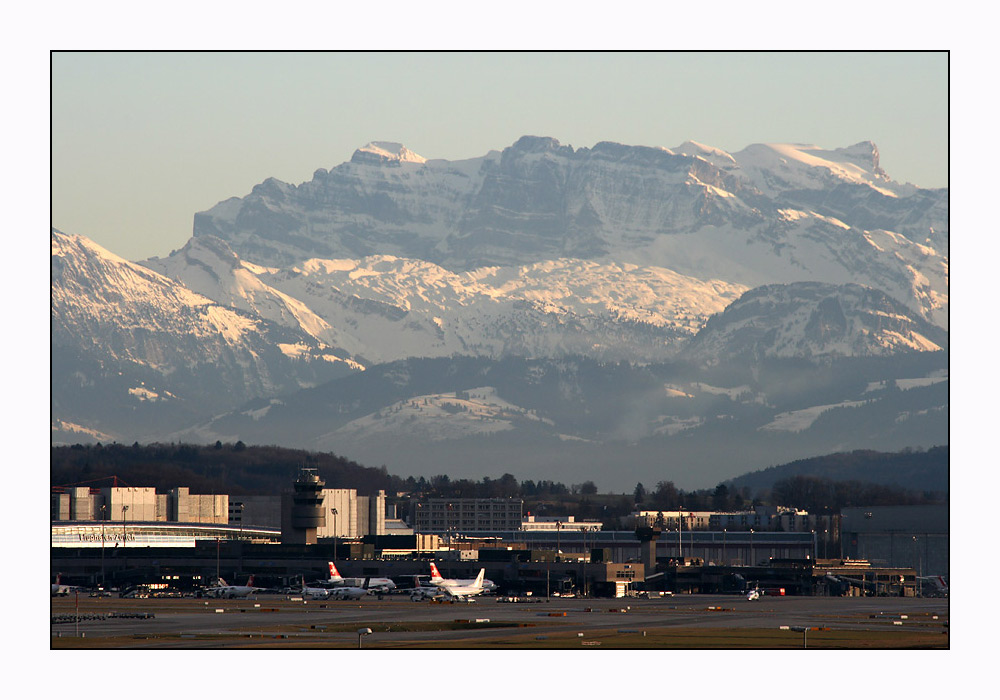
(142,141)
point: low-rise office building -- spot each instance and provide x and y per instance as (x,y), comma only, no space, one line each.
(669,519)
(118,535)
(566,523)
(138,504)
(466,514)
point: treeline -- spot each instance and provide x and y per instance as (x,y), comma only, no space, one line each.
(811,493)
(819,494)
(232,468)
(237,469)
(916,469)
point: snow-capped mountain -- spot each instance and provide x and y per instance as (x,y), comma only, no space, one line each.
(208,266)
(813,320)
(847,184)
(616,423)
(383,308)
(573,308)
(773,213)
(126,338)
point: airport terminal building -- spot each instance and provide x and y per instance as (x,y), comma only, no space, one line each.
(141,517)
(128,535)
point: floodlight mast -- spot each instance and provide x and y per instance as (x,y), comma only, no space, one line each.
(334,512)
(103,509)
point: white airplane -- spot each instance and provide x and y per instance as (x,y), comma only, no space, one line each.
(437,579)
(321,593)
(60,589)
(377,584)
(420,591)
(458,588)
(933,586)
(352,592)
(224,590)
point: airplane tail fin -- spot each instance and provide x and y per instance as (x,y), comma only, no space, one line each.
(250,581)
(334,574)
(434,572)
(480,577)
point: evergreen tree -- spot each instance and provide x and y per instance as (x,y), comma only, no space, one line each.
(639,495)
(720,499)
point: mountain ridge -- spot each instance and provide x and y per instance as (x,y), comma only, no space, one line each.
(723,266)
(822,218)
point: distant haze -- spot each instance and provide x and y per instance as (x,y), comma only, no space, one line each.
(142,141)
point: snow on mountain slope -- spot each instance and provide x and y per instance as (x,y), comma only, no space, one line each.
(437,417)
(395,308)
(209,266)
(381,152)
(95,288)
(810,319)
(645,294)
(772,213)
(803,245)
(797,421)
(125,336)
(774,167)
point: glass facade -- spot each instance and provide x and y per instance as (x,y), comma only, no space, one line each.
(157,534)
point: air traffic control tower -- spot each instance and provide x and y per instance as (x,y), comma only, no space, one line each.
(302,509)
(648,536)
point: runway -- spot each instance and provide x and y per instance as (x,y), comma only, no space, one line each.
(682,621)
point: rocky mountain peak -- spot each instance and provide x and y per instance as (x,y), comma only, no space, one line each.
(386,153)
(540,144)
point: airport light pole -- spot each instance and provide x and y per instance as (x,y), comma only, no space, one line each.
(450,527)
(724,546)
(124,537)
(751,546)
(680,536)
(334,512)
(240,541)
(103,509)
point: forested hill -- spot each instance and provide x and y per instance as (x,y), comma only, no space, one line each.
(861,477)
(220,468)
(910,469)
